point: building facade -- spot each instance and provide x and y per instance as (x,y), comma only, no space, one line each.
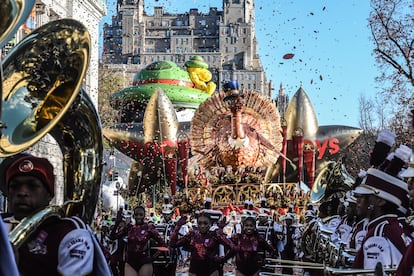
(224,38)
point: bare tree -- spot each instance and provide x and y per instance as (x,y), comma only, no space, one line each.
(391,23)
(382,111)
(109,83)
(366,111)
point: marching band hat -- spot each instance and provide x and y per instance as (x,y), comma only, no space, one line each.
(310,213)
(290,216)
(33,166)
(384,186)
(167,208)
(263,214)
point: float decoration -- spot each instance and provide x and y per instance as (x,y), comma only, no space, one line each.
(200,75)
(237,129)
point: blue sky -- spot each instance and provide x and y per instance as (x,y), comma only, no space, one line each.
(332,60)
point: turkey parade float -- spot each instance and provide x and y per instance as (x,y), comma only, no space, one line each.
(228,153)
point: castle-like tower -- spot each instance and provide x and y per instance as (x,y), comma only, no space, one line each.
(282,101)
(225,39)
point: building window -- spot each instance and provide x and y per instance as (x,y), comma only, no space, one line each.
(203,22)
(235,50)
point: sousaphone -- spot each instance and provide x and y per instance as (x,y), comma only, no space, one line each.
(12,15)
(42,94)
(320,184)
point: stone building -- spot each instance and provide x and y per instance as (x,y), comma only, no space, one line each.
(224,38)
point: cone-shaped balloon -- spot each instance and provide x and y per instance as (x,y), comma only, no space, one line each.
(301,115)
(160,119)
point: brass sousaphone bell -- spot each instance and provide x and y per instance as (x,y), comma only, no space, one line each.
(42,94)
(319,187)
(12,15)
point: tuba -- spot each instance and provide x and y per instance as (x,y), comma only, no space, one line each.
(41,95)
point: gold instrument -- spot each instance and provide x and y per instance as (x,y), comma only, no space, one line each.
(12,14)
(319,186)
(42,94)
(278,263)
(332,181)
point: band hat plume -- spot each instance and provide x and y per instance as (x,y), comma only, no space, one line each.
(387,137)
(384,186)
(385,140)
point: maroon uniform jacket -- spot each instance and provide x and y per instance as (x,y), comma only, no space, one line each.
(248,247)
(204,249)
(384,242)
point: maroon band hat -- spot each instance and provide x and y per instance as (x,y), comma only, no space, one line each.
(34,166)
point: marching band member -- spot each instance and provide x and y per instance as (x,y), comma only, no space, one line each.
(348,220)
(167,261)
(380,194)
(406,266)
(359,230)
(203,244)
(214,215)
(57,246)
(118,252)
(250,249)
(288,252)
(235,223)
(138,260)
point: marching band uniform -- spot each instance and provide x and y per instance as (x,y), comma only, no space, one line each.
(166,261)
(118,253)
(288,252)
(214,215)
(344,229)
(7,261)
(248,260)
(61,247)
(137,249)
(204,248)
(358,234)
(406,266)
(385,241)
(58,246)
